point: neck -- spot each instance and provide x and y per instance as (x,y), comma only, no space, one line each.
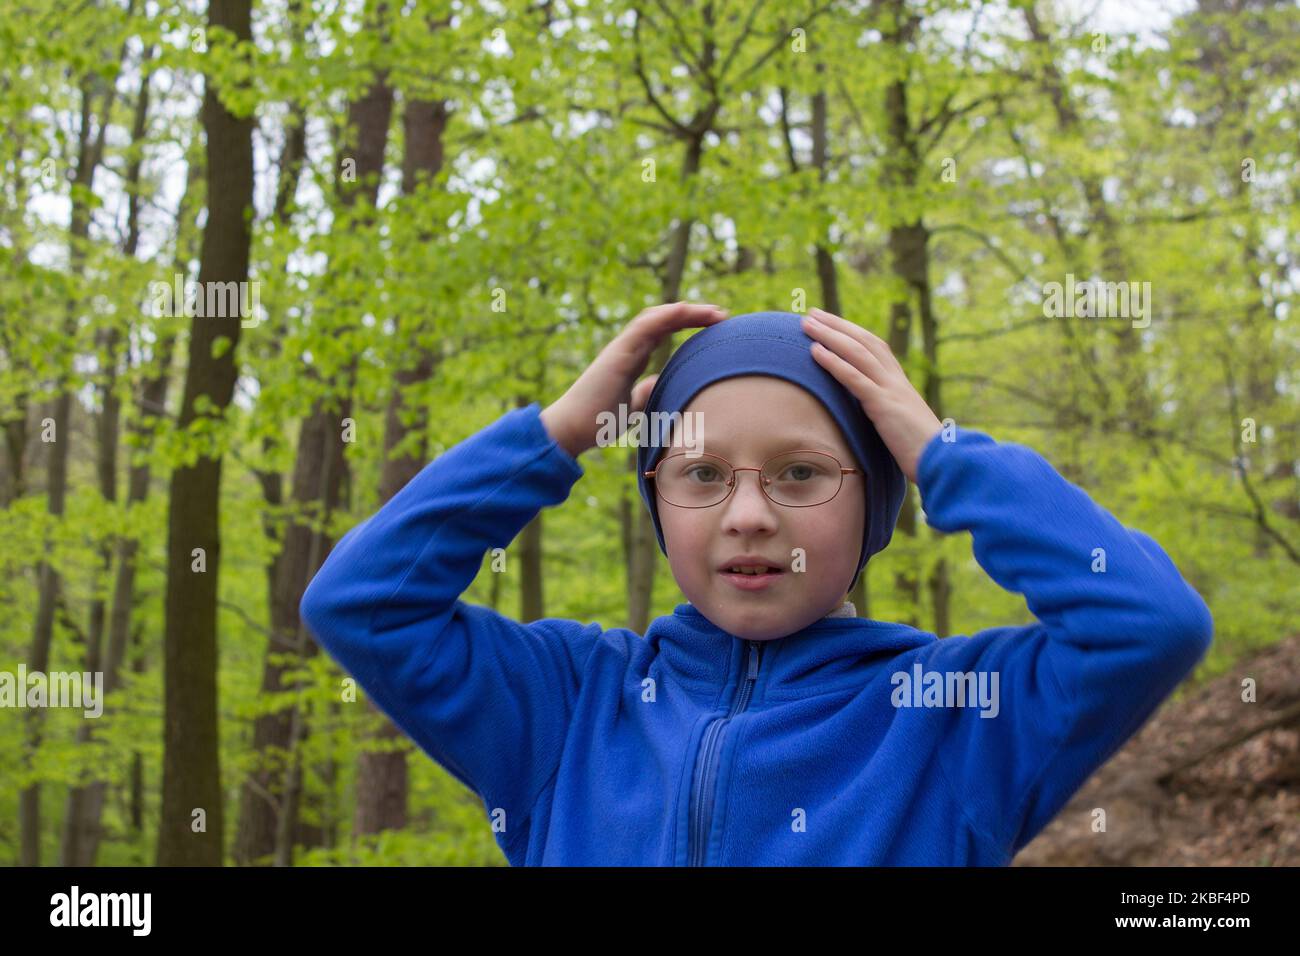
(846,609)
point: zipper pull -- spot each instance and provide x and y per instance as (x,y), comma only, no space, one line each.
(754,650)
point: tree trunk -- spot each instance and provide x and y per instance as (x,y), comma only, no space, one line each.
(532,603)
(90,152)
(382,777)
(828,279)
(258,809)
(81,816)
(908,250)
(269,800)
(939,584)
(192,815)
(152,404)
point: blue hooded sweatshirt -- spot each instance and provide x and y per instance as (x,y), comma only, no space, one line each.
(829,746)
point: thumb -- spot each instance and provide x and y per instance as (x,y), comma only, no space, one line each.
(641,393)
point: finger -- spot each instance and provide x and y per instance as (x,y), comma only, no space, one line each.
(672,316)
(641,393)
(878,346)
(847,347)
(860,386)
(648,329)
(625,356)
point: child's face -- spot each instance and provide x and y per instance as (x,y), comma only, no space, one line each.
(747,420)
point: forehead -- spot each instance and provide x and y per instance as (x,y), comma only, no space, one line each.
(758,413)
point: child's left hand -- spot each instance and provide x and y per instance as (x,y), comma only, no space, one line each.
(864,364)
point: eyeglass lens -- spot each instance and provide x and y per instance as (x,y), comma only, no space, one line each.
(797,479)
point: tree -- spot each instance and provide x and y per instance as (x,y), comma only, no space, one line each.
(192,813)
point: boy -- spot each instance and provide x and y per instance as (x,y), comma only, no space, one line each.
(762,722)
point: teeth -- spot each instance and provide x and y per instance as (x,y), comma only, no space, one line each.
(750,570)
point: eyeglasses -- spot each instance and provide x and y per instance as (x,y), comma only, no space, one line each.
(795,479)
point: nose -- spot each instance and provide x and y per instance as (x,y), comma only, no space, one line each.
(747,509)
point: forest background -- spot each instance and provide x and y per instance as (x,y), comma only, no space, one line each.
(442,210)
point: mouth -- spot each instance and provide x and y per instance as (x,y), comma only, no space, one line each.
(753,577)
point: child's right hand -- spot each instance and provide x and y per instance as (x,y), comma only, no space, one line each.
(608,382)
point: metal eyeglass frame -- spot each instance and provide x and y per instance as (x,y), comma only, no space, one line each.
(733,483)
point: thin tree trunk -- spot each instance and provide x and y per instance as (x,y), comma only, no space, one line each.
(81,817)
(907,252)
(13,479)
(90,152)
(371,121)
(939,583)
(532,601)
(382,773)
(152,405)
(192,814)
(828,279)
(909,249)
(15,428)
(257,809)
(269,799)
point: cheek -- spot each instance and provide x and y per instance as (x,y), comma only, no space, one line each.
(686,539)
(826,531)
(833,536)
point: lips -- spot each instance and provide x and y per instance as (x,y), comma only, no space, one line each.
(750,563)
(751,582)
(750,578)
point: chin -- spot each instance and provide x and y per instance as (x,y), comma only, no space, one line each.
(755,625)
(766,635)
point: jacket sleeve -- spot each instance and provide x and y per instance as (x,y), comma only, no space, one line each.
(488,698)
(1118,629)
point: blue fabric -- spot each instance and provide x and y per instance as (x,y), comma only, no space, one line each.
(593,745)
(773,343)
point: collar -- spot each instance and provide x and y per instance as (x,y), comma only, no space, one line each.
(825,655)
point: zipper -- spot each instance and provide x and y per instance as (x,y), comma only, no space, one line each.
(701,807)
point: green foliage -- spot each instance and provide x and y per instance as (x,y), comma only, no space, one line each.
(1125,165)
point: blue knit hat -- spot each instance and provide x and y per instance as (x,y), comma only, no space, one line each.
(772,343)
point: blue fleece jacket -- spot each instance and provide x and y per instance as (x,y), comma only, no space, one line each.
(830,746)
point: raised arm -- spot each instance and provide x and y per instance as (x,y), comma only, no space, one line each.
(1119,629)
(486,697)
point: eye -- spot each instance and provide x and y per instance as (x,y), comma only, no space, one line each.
(695,470)
(803,470)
